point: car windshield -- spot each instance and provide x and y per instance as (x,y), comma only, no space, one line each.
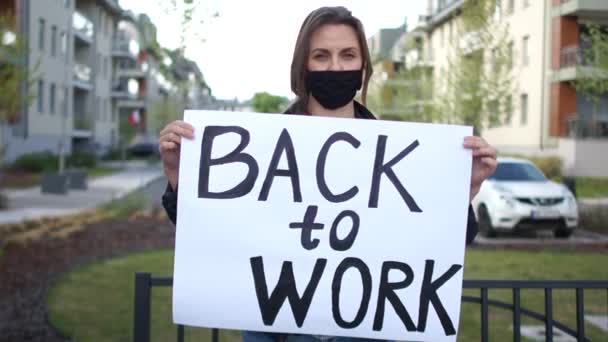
(517,172)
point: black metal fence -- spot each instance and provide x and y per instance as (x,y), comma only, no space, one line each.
(145,281)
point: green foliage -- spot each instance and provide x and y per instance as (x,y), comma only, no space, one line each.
(163,111)
(550,166)
(82,160)
(267,103)
(592,187)
(479,84)
(594,54)
(37,162)
(592,71)
(14,75)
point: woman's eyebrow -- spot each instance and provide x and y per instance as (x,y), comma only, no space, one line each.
(320,50)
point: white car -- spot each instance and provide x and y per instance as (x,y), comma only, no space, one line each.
(518,197)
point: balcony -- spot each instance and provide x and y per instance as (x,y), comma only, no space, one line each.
(579,128)
(123,47)
(83,28)
(416,58)
(589,9)
(82,126)
(444,12)
(82,77)
(573,65)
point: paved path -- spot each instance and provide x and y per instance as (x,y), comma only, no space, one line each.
(32,204)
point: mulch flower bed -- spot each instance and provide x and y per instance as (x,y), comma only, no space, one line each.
(28,268)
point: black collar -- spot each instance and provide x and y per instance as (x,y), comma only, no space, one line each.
(360,111)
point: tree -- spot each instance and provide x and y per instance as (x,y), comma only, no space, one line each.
(478,87)
(163,111)
(593,71)
(15,77)
(267,103)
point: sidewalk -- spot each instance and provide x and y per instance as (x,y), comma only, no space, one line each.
(32,204)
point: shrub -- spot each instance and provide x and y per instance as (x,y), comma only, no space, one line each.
(82,160)
(550,166)
(37,162)
(594,218)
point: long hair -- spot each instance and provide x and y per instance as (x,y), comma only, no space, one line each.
(299,64)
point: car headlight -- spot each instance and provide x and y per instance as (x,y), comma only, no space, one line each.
(505,195)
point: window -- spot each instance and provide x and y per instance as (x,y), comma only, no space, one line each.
(509,109)
(53,40)
(40,96)
(442,36)
(526,3)
(524,109)
(64,43)
(495,59)
(66,3)
(524,50)
(510,57)
(498,10)
(41,28)
(52,99)
(510,6)
(65,101)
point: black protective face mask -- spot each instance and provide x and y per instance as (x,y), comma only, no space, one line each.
(334,89)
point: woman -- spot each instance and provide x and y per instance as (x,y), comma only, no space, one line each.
(331,62)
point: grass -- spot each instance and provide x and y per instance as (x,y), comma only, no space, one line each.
(591,187)
(21,179)
(95,303)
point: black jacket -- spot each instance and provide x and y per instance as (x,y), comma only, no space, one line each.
(170,196)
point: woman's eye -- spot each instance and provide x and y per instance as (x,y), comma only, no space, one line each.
(320,57)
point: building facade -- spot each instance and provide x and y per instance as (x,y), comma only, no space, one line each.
(93,66)
(544,39)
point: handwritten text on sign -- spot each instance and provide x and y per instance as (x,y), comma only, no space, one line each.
(322,226)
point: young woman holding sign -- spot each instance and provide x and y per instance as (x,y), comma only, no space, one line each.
(331,62)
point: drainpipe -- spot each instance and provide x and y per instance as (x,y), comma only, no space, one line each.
(544,73)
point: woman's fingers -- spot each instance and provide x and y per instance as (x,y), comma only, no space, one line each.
(485,152)
(167,146)
(180,128)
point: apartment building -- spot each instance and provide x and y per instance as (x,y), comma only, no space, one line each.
(548,116)
(93,65)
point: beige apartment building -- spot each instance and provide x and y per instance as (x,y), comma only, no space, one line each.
(544,36)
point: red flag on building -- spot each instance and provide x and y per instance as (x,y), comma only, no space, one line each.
(134,117)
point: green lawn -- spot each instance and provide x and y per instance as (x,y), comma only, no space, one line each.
(95,303)
(20,180)
(591,187)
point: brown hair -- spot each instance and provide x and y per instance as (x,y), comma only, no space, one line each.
(316,19)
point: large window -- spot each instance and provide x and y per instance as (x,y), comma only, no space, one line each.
(525,50)
(524,109)
(52,98)
(41,28)
(40,96)
(53,40)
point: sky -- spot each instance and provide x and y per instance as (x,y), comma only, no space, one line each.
(249,46)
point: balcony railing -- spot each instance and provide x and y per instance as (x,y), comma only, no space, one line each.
(82,25)
(82,73)
(125,46)
(586,128)
(571,56)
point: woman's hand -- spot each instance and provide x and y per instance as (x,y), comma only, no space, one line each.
(169,146)
(484,162)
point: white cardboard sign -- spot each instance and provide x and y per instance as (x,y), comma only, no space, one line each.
(325,226)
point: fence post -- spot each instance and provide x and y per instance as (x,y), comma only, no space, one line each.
(141,309)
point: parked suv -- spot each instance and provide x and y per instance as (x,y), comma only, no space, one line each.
(518,197)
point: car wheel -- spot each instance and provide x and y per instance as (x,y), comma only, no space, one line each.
(485,224)
(563,232)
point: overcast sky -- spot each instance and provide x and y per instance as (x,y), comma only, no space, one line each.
(248,48)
